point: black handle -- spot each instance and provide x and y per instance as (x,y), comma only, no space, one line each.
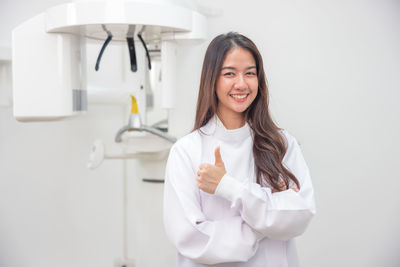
(132,53)
(102,51)
(145,48)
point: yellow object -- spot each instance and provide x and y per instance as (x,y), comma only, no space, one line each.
(134,106)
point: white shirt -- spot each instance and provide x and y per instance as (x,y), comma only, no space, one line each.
(242,224)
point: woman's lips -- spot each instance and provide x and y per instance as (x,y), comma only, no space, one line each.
(239,97)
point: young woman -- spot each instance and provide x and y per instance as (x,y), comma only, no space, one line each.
(237,189)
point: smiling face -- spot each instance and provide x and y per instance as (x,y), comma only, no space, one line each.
(237,85)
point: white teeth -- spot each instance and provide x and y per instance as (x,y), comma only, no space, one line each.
(239,96)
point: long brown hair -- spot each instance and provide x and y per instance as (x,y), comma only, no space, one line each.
(269,145)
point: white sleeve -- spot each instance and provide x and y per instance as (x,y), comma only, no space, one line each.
(195,237)
(282,215)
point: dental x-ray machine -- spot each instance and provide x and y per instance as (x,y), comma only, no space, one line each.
(49,58)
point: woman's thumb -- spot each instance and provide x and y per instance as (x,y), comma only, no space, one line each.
(218,158)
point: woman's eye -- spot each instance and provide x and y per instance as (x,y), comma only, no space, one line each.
(251,73)
(228,74)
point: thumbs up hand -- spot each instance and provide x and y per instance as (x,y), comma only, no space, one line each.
(209,176)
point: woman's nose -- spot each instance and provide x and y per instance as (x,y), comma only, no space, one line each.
(240,82)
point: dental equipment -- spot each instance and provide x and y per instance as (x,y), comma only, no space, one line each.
(135,124)
(53,83)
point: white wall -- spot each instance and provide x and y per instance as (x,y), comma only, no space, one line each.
(333,70)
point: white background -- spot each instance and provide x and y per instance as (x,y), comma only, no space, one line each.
(334,76)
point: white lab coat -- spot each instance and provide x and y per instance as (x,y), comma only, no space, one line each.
(242,224)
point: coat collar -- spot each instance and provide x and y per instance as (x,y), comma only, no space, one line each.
(216,128)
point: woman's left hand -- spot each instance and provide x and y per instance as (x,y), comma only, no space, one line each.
(209,176)
(282,187)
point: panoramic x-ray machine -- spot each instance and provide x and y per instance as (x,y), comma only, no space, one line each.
(50,59)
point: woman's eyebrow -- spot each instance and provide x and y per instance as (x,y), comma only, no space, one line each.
(233,68)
